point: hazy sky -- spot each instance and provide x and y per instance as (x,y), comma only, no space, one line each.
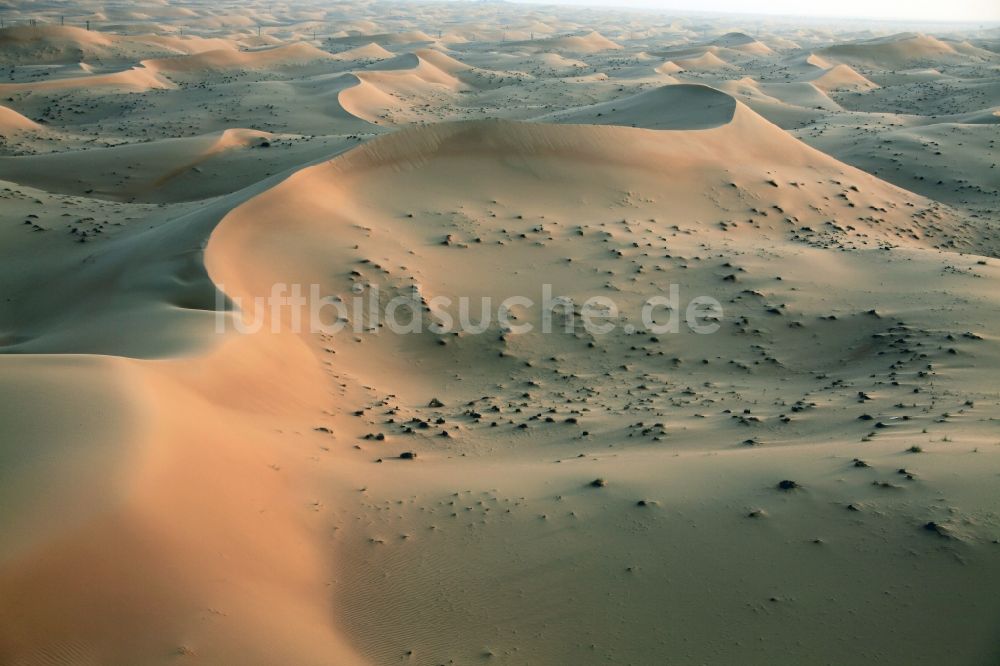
(916,10)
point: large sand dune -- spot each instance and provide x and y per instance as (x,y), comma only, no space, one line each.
(809,477)
(895,51)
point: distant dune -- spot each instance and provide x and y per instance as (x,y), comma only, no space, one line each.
(842,77)
(894,51)
(11,121)
(706,62)
(278,56)
(743,42)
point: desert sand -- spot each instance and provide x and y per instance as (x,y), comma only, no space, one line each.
(815,481)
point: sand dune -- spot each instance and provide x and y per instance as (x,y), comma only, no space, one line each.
(257,41)
(788,105)
(370,51)
(673,107)
(144,171)
(287,55)
(11,121)
(669,67)
(804,94)
(958,149)
(842,77)
(51,44)
(391,92)
(180,44)
(780,42)
(138,520)
(706,62)
(66,44)
(978,52)
(442,61)
(593,42)
(742,42)
(810,478)
(136,79)
(900,50)
(385,39)
(983,117)
(560,62)
(818,61)
(356,208)
(453,149)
